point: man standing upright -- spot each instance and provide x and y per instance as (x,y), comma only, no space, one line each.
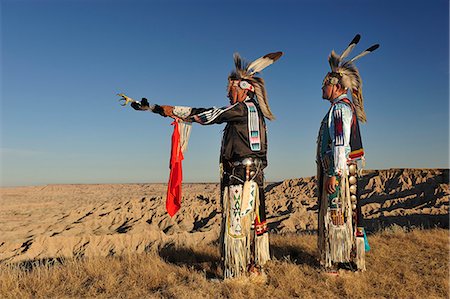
(341,239)
(243,157)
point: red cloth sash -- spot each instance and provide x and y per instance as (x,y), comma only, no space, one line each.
(173,201)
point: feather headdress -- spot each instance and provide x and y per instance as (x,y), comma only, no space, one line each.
(247,71)
(346,74)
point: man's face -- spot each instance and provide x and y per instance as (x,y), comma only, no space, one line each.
(235,93)
(328,91)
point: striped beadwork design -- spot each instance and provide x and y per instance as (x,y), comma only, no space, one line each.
(253,127)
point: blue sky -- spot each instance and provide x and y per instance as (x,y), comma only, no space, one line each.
(62,63)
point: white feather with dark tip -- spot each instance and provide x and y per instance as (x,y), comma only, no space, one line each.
(350,47)
(364,53)
(261,63)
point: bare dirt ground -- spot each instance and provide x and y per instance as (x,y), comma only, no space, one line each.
(109,241)
(102,220)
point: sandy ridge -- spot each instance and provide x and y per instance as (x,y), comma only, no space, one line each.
(97,220)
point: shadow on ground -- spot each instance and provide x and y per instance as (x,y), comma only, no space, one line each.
(196,259)
(294,254)
(211,264)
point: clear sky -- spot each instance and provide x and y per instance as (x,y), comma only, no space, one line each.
(62,63)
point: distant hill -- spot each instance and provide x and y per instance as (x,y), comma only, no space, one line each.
(406,197)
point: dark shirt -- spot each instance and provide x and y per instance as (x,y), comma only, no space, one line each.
(235,140)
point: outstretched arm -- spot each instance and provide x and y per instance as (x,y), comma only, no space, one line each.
(143,105)
(204,116)
(208,116)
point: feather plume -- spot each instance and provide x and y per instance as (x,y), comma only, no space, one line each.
(237,61)
(350,47)
(358,100)
(240,71)
(261,95)
(261,63)
(334,61)
(244,71)
(364,53)
(350,75)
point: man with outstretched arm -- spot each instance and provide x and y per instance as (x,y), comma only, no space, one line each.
(243,157)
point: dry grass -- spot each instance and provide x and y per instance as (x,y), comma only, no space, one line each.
(400,265)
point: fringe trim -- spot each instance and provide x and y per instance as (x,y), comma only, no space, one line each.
(237,256)
(336,241)
(240,250)
(360,259)
(339,243)
(262,252)
(185,132)
(237,248)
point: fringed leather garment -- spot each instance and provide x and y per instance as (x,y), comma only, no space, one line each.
(339,231)
(244,234)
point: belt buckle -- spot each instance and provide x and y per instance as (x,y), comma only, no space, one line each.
(247,162)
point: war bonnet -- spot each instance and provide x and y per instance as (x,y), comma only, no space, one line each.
(347,75)
(245,72)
